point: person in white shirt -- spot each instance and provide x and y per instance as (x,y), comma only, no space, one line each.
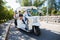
(20,22)
(26,14)
(16,16)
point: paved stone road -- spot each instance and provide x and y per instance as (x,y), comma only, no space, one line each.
(3,29)
(48,32)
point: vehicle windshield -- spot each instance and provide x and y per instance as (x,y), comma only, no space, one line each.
(35,12)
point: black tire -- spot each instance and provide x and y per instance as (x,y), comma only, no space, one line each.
(15,23)
(36,30)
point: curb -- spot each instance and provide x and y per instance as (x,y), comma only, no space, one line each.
(5,36)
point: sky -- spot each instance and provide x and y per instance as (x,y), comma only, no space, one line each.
(12,4)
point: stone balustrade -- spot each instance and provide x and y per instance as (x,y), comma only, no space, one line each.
(50,18)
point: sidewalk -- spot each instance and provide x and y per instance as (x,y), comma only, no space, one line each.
(4,29)
(50,26)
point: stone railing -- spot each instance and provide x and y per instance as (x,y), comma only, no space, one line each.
(50,18)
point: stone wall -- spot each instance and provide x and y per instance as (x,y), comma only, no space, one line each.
(50,18)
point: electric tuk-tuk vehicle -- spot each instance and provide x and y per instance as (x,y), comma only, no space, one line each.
(33,22)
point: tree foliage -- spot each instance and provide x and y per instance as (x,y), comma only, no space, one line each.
(29,3)
(53,7)
(26,3)
(5,14)
(44,9)
(38,3)
(58,12)
(53,12)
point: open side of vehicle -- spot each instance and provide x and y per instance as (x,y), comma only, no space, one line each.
(33,25)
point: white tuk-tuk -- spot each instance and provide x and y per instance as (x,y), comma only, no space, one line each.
(33,22)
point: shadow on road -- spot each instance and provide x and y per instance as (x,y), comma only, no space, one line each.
(45,35)
(15,34)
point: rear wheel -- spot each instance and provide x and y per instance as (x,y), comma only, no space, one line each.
(36,30)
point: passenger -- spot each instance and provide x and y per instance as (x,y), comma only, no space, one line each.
(16,15)
(26,14)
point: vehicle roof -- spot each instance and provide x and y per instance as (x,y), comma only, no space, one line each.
(26,7)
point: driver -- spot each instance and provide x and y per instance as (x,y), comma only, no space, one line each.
(20,21)
(26,14)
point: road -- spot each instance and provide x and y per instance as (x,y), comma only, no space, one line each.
(48,32)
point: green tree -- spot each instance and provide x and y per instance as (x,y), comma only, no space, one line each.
(1,2)
(1,9)
(57,4)
(44,9)
(54,12)
(29,3)
(26,3)
(38,3)
(10,15)
(52,7)
(58,12)
(5,14)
